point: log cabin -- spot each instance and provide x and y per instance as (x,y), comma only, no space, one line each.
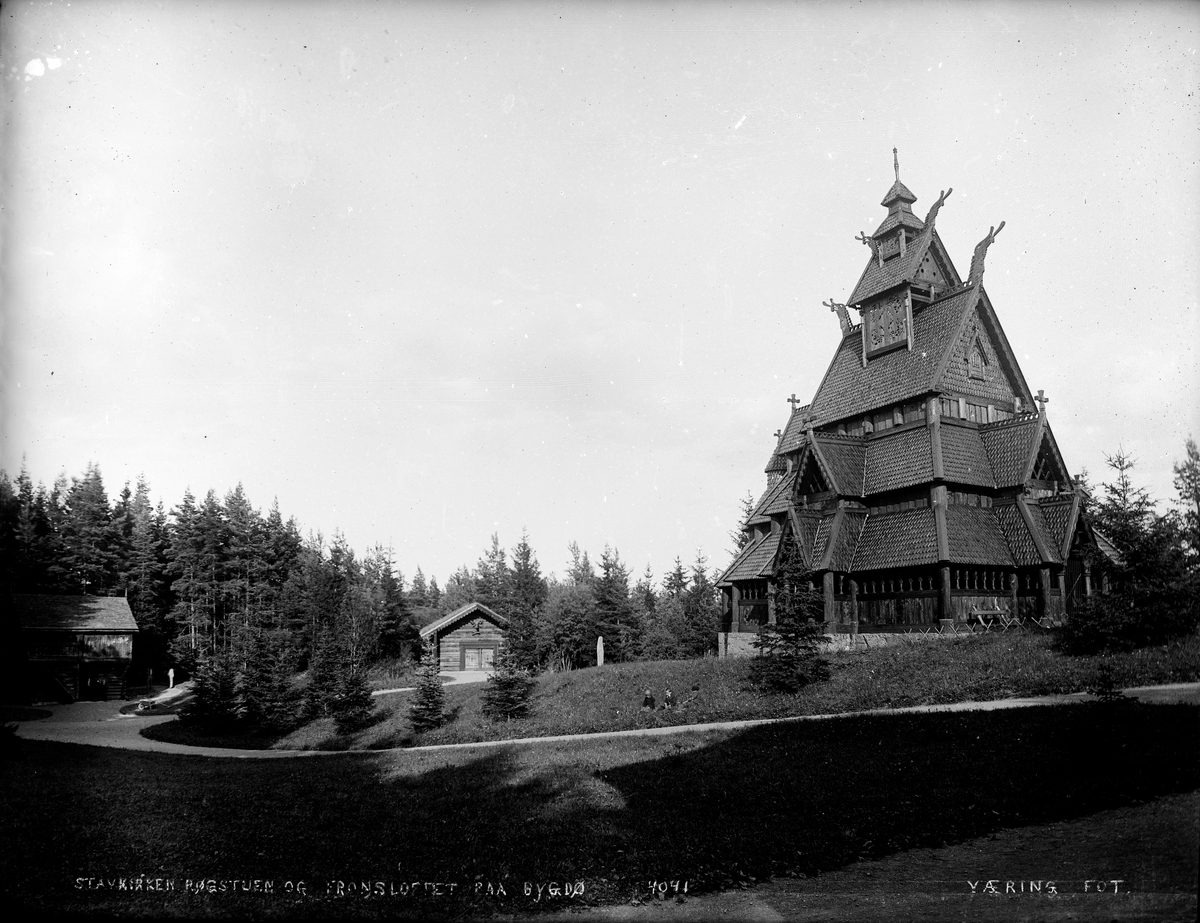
(75,647)
(469,638)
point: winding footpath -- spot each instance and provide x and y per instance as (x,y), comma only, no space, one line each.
(101,724)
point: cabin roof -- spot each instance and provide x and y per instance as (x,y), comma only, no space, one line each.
(47,612)
(463,612)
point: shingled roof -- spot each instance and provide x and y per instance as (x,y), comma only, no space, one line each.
(877,279)
(898,193)
(898,460)
(846,532)
(793,433)
(756,560)
(964,459)
(1041,530)
(1016,535)
(842,461)
(1060,514)
(975,537)
(74,613)
(904,539)
(1009,445)
(848,389)
(805,524)
(776,499)
(901,217)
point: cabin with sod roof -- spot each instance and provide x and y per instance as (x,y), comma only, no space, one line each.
(469,638)
(922,485)
(75,647)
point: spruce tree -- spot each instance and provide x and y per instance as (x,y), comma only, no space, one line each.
(1155,586)
(526,596)
(615,613)
(1187,485)
(507,691)
(215,692)
(786,653)
(428,709)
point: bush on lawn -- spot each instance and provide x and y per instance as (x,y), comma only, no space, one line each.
(786,653)
(428,709)
(507,691)
(1131,618)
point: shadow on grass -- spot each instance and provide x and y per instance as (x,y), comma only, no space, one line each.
(192,734)
(804,797)
(22,713)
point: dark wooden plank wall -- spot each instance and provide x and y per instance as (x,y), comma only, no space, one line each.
(479,630)
(925,609)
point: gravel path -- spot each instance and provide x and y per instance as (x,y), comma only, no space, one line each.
(454,679)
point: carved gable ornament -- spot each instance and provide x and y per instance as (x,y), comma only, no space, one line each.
(887,325)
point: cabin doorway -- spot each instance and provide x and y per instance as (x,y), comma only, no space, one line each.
(477,656)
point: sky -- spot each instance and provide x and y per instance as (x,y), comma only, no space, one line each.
(424,274)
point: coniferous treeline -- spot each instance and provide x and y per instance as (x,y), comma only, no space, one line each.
(215,583)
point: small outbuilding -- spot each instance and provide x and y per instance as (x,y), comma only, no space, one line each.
(469,638)
(74,647)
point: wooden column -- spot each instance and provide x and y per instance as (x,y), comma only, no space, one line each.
(853,607)
(1047,608)
(830,605)
(771,603)
(1013,585)
(1087,578)
(947,607)
(735,596)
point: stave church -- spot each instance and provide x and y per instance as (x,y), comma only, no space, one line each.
(922,484)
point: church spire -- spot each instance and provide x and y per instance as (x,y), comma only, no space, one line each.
(898,202)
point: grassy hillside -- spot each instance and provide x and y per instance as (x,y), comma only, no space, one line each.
(966,668)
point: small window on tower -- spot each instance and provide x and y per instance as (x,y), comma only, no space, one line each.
(978,361)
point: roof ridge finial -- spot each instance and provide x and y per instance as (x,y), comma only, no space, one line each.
(896,163)
(981,249)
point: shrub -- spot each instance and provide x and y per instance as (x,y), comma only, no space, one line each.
(352,704)
(1157,584)
(215,688)
(786,656)
(1138,615)
(507,691)
(428,709)
(1104,685)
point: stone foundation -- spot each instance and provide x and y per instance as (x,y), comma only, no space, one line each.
(735,643)
(741,644)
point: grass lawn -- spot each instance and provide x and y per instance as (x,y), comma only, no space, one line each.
(713,809)
(964,668)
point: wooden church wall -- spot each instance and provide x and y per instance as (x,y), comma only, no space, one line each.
(898,611)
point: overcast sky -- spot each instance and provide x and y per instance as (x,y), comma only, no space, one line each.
(426,274)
